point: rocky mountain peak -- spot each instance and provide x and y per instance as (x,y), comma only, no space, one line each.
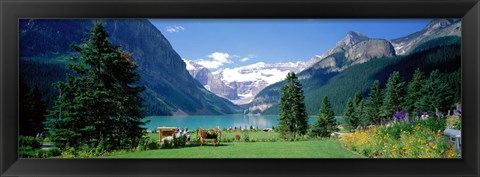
(437,24)
(351,38)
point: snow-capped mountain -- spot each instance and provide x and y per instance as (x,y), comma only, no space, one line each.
(241,84)
(435,29)
(211,82)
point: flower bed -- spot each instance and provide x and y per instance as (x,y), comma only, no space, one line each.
(403,139)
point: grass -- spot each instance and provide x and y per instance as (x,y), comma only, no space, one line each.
(326,148)
(259,135)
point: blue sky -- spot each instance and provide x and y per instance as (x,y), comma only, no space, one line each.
(221,43)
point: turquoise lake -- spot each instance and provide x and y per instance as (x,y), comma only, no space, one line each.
(224,121)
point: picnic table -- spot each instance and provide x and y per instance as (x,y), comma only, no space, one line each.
(166,132)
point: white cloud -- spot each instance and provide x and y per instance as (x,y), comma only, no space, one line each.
(210,64)
(248,57)
(216,60)
(220,57)
(175,29)
(244,59)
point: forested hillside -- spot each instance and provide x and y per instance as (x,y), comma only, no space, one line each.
(339,86)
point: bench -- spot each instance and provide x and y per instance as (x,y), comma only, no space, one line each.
(455,136)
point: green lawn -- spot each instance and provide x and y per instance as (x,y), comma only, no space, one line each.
(329,148)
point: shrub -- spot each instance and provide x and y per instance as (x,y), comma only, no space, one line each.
(237,136)
(55,151)
(454,122)
(246,138)
(274,139)
(152,145)
(29,141)
(180,141)
(26,152)
(44,153)
(167,144)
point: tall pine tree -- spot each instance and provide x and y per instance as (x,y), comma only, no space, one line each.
(347,114)
(436,94)
(455,79)
(359,115)
(352,116)
(32,110)
(100,104)
(326,123)
(293,115)
(373,104)
(394,95)
(414,93)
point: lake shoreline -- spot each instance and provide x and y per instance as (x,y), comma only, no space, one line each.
(214,121)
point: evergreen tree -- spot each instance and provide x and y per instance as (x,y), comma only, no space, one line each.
(347,114)
(100,104)
(393,97)
(326,123)
(436,94)
(359,115)
(414,91)
(357,98)
(455,79)
(373,104)
(32,110)
(352,116)
(293,115)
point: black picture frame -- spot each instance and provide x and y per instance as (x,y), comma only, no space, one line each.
(12,10)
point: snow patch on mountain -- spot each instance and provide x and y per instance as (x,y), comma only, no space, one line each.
(188,64)
(241,84)
(269,73)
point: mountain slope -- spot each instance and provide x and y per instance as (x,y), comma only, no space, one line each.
(170,88)
(354,48)
(437,28)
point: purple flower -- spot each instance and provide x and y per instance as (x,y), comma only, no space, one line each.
(458,111)
(401,115)
(410,119)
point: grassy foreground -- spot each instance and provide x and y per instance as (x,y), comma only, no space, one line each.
(329,148)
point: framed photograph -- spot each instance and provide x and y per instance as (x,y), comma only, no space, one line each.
(239,88)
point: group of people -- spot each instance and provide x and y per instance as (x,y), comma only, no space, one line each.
(41,135)
(240,128)
(181,132)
